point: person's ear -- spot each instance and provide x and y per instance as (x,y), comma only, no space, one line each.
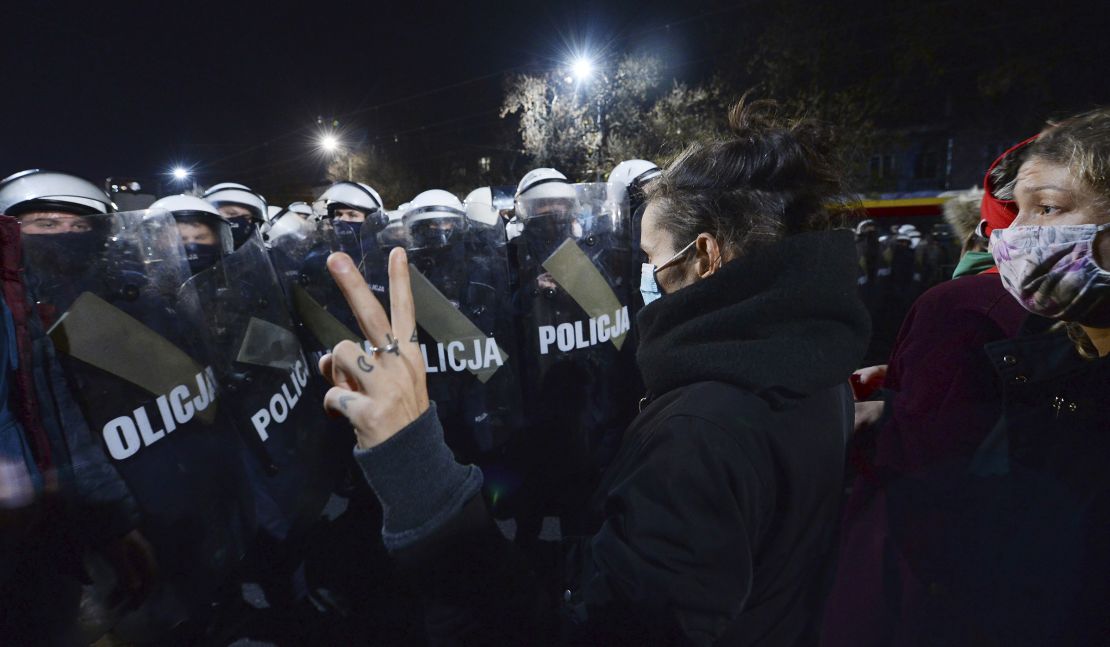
(707,255)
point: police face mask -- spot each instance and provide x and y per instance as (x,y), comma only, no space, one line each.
(201,257)
(435,234)
(649,285)
(347,231)
(62,253)
(1052,271)
(544,233)
(241,230)
(349,237)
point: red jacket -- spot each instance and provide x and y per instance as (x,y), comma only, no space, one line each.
(943,399)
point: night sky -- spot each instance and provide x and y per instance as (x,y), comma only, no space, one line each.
(129,89)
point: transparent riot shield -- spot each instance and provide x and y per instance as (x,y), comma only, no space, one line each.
(134,352)
(318,306)
(265,378)
(460,286)
(573,312)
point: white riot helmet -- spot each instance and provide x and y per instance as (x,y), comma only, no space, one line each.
(188,209)
(271,211)
(295,219)
(435,219)
(395,234)
(634,173)
(543,191)
(36,190)
(480,209)
(231,193)
(300,209)
(352,195)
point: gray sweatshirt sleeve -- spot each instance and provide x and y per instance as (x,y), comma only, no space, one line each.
(418,481)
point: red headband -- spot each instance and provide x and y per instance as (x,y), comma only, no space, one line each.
(996,213)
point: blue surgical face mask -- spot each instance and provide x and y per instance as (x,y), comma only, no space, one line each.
(649,286)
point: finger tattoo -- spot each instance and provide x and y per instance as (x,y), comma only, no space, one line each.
(364,365)
(415,337)
(344,399)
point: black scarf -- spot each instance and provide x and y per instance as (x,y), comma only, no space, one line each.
(784,321)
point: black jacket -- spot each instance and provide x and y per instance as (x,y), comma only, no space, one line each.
(1028,559)
(714,522)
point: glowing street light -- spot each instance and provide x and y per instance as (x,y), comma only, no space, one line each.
(582,68)
(180,173)
(330,143)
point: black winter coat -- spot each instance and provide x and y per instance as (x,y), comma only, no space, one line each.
(1028,559)
(714,523)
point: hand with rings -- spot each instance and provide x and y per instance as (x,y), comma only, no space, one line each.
(380,393)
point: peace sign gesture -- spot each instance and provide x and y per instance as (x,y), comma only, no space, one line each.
(383,389)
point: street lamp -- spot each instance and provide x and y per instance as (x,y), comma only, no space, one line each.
(331,145)
(582,68)
(180,175)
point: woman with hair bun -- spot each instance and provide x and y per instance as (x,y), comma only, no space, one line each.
(714,523)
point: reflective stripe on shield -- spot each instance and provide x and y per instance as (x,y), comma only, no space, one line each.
(443,321)
(328,330)
(270,345)
(576,273)
(100,334)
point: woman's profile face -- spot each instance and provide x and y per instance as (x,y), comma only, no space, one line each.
(659,246)
(1050,195)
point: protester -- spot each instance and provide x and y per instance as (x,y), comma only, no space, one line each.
(939,402)
(713,521)
(1037,522)
(961,213)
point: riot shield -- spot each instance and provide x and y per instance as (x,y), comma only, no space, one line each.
(265,379)
(464,325)
(573,312)
(134,353)
(317,304)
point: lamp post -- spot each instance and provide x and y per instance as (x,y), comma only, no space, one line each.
(582,71)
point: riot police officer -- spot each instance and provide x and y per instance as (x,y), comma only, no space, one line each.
(569,239)
(471,378)
(244,209)
(65,222)
(295,219)
(395,234)
(52,209)
(484,217)
(205,233)
(547,209)
(633,176)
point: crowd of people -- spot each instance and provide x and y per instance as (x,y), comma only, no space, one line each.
(677,367)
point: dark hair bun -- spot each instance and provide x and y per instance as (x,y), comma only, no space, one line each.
(774,176)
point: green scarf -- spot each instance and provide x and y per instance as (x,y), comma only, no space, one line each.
(973,263)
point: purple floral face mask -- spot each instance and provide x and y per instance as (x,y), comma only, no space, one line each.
(1052,272)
